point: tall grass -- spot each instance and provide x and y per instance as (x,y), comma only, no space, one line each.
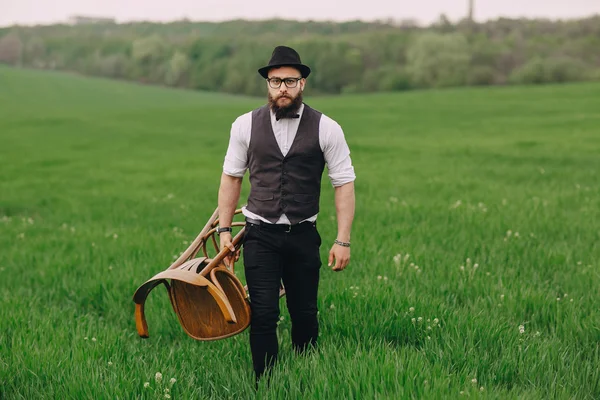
(475,246)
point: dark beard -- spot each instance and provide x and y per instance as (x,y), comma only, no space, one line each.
(287,111)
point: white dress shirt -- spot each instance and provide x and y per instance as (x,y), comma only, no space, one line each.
(331,139)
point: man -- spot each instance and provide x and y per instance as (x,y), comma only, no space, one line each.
(285,146)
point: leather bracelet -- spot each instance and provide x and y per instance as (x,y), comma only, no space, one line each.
(221,229)
(344,244)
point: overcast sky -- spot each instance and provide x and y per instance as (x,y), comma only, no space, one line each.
(29,12)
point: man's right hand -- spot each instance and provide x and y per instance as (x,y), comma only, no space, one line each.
(226,242)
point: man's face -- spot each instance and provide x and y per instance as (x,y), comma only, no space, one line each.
(284,96)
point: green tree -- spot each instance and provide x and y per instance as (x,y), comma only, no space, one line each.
(177,68)
(436,60)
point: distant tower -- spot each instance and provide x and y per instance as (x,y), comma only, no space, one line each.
(471,9)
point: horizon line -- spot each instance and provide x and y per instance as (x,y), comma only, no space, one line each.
(382,20)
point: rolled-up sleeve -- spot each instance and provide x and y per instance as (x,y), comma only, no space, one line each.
(336,152)
(236,158)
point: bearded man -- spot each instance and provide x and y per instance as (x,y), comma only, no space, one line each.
(285,146)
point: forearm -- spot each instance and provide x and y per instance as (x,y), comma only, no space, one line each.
(229,194)
(344,205)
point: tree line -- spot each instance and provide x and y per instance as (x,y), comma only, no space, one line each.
(346,57)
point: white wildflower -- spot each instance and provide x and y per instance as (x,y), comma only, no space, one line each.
(146,384)
(411,310)
(481,389)
(457,204)
(462,267)
(474,380)
(332,306)
(85,338)
(115,236)
(167,396)
(385,278)
(413,320)
(393,200)
(158,377)
(379,277)
(172,381)
(420,319)
(516,234)
(110,363)
(501,297)
(521,329)
(93,339)
(436,321)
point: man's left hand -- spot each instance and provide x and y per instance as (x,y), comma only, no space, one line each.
(341,255)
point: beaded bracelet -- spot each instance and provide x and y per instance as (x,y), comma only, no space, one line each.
(345,244)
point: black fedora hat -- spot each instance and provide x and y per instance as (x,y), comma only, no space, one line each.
(284,56)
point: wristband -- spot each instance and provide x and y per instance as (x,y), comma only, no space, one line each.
(344,244)
(224,229)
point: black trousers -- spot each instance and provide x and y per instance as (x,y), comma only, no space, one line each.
(271,255)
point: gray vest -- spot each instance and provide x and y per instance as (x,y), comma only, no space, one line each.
(290,184)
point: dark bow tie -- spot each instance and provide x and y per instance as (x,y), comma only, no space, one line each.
(291,116)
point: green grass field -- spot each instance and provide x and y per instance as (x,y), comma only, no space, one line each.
(475,258)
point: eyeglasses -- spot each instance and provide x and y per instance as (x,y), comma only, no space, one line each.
(275,83)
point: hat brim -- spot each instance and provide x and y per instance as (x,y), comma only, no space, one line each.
(304,69)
